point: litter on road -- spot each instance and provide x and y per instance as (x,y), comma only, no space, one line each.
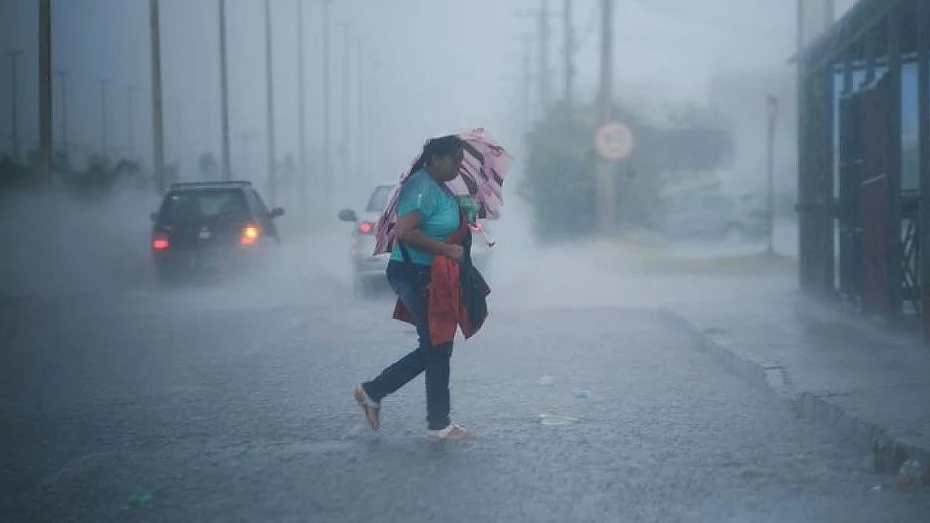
(557,419)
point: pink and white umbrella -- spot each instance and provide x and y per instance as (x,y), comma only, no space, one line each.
(482,177)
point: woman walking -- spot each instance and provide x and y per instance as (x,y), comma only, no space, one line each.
(430,242)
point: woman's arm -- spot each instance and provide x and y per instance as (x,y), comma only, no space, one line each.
(407,230)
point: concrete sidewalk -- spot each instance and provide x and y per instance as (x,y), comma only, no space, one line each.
(871,386)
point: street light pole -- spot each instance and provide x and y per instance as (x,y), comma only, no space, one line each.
(346,27)
(302,114)
(569,53)
(130,92)
(45,87)
(360,150)
(269,86)
(14,127)
(605,171)
(327,162)
(245,139)
(178,130)
(544,93)
(224,90)
(772,108)
(103,116)
(376,146)
(158,129)
(62,79)
(527,85)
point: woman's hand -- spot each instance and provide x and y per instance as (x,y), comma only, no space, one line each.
(408,230)
(456,252)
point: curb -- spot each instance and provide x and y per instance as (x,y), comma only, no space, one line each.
(887,452)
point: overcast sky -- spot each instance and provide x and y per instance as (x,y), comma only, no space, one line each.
(444,65)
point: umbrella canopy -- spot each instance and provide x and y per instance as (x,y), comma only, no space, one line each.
(481,177)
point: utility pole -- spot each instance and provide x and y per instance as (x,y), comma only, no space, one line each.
(245,139)
(376,145)
(103,116)
(360,150)
(545,97)
(45,87)
(178,130)
(569,53)
(14,125)
(346,66)
(327,161)
(224,91)
(207,129)
(62,79)
(772,109)
(130,128)
(543,92)
(923,151)
(269,88)
(302,114)
(527,85)
(158,128)
(605,170)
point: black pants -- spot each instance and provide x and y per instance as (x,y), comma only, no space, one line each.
(410,281)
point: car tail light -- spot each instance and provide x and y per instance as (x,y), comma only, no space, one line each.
(366,227)
(161,242)
(250,235)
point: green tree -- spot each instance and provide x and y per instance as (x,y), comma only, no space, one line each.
(560,181)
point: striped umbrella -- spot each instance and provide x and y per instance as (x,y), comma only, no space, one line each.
(481,177)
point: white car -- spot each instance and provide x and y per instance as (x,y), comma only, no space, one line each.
(368,270)
(714,216)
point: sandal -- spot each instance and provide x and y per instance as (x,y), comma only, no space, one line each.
(451,433)
(370,407)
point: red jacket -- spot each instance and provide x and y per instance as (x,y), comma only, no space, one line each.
(446,307)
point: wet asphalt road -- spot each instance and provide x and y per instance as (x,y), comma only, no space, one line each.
(233,404)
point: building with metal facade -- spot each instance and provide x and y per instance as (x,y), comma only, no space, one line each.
(864,160)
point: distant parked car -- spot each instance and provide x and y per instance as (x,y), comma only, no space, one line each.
(714,216)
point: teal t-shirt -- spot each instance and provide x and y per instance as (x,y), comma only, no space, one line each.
(439,212)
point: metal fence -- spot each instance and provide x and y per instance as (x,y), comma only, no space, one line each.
(863,157)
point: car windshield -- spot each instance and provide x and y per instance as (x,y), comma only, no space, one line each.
(204,205)
(379,198)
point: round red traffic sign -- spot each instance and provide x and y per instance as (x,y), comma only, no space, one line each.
(614,141)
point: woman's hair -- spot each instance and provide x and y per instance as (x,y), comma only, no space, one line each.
(442,146)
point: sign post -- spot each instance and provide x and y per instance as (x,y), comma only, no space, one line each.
(613,143)
(770,175)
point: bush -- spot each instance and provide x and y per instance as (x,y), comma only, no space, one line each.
(560,180)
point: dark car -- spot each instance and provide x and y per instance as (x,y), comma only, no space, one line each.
(203,229)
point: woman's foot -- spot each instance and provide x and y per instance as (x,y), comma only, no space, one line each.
(451,433)
(370,407)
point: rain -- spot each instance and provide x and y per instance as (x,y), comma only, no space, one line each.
(672,334)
